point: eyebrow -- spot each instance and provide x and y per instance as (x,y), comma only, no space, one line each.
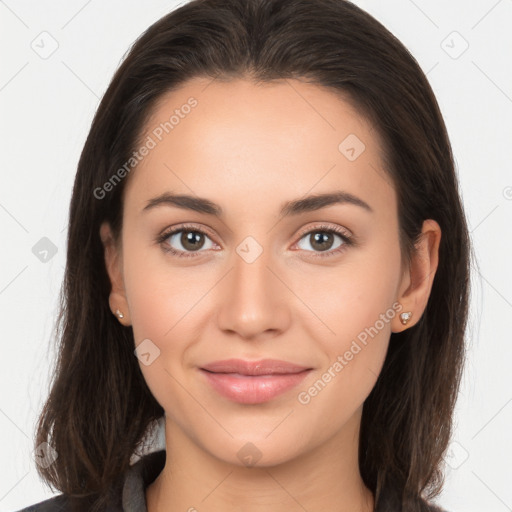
(289,208)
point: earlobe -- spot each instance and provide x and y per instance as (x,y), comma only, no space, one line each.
(113,263)
(405,317)
(420,277)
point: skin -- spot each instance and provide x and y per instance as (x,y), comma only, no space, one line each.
(249,148)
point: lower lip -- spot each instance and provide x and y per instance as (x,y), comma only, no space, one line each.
(247,389)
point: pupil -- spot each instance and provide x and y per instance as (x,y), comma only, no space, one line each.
(320,238)
(191,238)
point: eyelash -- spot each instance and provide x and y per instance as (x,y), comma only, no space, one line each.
(347,240)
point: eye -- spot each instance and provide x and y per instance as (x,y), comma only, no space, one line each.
(322,238)
(191,239)
(188,239)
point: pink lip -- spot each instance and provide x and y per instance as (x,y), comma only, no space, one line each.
(253,382)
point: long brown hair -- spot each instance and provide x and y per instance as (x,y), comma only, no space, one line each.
(99,406)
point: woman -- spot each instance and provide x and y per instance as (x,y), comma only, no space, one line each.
(267,249)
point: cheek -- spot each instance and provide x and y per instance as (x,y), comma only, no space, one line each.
(158,294)
(160,302)
(351,296)
(165,305)
(352,355)
(355,303)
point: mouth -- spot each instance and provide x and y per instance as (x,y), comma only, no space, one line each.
(255,382)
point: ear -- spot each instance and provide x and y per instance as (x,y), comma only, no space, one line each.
(114,265)
(417,280)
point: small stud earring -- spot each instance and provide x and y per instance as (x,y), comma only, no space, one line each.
(405,317)
(119,314)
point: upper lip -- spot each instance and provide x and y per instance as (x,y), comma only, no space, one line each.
(261,367)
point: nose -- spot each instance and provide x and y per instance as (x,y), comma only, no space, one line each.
(254,301)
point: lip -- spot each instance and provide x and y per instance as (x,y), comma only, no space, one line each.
(261,367)
(253,382)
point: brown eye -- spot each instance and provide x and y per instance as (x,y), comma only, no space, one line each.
(324,240)
(191,240)
(321,241)
(183,241)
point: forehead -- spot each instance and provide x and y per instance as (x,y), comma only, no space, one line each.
(287,138)
(289,106)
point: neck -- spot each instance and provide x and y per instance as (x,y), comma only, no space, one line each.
(325,478)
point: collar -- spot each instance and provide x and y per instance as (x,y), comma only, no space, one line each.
(138,477)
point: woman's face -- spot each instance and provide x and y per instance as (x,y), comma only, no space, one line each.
(260,280)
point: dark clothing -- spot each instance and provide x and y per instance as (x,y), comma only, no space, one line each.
(131,498)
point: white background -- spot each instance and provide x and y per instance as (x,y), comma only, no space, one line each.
(47,106)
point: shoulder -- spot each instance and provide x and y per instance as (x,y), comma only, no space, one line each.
(127,495)
(56,503)
(64,503)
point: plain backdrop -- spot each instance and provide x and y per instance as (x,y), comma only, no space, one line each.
(57,58)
